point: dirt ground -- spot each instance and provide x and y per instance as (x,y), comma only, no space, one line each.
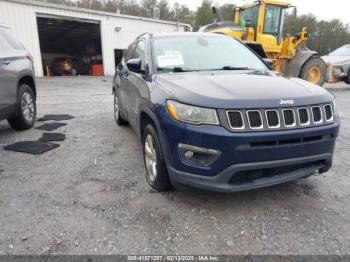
(89,196)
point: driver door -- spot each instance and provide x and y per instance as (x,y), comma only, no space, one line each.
(135,83)
(122,81)
(271,37)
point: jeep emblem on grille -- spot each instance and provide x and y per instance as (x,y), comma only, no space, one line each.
(286,102)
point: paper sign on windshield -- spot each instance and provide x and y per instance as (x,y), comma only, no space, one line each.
(173,59)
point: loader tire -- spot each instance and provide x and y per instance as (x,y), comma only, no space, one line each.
(314,71)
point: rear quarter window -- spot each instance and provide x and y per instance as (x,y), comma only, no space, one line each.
(11,39)
(4,46)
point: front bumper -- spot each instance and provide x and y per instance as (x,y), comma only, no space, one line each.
(337,72)
(247,152)
(223,181)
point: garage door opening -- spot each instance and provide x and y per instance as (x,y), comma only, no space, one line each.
(118,55)
(70,47)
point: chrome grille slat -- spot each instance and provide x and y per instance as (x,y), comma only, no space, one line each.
(255,119)
(272,118)
(280,118)
(288,117)
(235,119)
(328,112)
(304,116)
(316,114)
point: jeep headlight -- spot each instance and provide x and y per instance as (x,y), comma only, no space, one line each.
(192,114)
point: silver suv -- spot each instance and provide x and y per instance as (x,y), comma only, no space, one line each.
(17,84)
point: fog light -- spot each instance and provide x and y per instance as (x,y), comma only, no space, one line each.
(198,155)
(188,155)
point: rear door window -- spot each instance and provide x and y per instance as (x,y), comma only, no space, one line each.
(10,38)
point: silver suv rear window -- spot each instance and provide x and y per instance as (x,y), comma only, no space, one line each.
(11,39)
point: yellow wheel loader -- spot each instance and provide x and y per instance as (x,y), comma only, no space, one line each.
(260,26)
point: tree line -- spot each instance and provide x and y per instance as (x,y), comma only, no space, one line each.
(324,36)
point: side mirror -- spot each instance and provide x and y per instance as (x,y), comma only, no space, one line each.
(268,62)
(134,65)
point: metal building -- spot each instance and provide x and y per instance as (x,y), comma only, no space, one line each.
(49,31)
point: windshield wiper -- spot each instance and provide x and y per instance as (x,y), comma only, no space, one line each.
(233,68)
(176,69)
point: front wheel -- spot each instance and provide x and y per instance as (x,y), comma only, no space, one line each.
(314,71)
(25,111)
(156,172)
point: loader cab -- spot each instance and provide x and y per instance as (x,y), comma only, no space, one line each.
(264,20)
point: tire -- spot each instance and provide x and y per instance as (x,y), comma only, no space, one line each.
(117,116)
(25,115)
(74,71)
(314,71)
(347,79)
(156,172)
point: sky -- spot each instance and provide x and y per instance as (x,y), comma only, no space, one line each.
(323,9)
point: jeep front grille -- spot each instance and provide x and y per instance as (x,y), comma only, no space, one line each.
(279,118)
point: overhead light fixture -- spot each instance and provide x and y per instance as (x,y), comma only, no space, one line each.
(118,28)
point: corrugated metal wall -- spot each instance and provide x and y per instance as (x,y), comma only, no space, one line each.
(20,16)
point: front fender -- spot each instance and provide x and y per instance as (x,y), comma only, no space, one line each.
(152,115)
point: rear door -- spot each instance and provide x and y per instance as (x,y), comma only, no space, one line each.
(6,80)
(12,54)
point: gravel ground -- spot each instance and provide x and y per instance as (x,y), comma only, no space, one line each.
(89,196)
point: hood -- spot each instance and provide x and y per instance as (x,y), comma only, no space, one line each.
(333,59)
(232,89)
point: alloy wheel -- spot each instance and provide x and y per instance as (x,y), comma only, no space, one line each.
(28,107)
(150,158)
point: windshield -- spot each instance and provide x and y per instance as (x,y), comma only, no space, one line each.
(250,14)
(341,51)
(203,53)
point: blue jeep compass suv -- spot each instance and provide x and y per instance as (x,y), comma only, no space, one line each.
(212,115)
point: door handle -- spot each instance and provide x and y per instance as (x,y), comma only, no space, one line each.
(6,62)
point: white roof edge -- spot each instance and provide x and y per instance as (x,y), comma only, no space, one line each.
(90,11)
